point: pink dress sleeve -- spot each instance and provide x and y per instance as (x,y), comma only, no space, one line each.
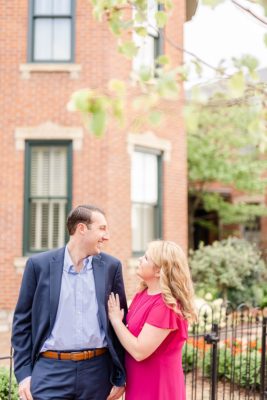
(163,317)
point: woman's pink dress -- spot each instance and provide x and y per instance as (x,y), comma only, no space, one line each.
(160,376)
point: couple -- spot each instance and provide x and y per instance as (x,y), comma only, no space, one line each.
(68,330)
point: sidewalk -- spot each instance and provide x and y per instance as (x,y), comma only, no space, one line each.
(4,347)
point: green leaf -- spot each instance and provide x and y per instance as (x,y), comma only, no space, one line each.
(198,67)
(212,3)
(168,4)
(118,110)
(80,100)
(128,49)
(163,60)
(155,117)
(247,61)
(118,86)
(145,74)
(237,84)
(161,18)
(139,17)
(115,26)
(98,123)
(141,31)
(254,75)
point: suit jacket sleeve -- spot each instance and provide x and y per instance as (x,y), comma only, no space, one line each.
(118,377)
(22,327)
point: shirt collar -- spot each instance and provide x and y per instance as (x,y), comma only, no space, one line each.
(68,263)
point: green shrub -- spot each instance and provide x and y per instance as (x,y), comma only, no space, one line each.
(4,385)
(188,357)
(233,267)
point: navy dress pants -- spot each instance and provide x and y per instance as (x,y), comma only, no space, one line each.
(71,380)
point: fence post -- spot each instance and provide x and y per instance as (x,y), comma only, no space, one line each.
(213,339)
(263,381)
(10,373)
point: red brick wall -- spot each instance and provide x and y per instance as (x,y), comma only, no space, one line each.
(101,170)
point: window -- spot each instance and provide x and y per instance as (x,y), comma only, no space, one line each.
(150,46)
(47,195)
(51,30)
(252,230)
(146,198)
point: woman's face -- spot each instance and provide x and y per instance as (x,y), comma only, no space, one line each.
(147,269)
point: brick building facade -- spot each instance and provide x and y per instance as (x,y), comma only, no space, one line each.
(50,163)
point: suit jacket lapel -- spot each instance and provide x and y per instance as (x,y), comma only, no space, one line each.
(99,271)
(56,268)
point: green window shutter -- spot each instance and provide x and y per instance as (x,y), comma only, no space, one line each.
(47,195)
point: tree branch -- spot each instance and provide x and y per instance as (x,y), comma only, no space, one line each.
(249,11)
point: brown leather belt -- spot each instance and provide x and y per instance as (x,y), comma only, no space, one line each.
(74,355)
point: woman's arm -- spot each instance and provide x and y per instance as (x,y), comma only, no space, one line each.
(141,347)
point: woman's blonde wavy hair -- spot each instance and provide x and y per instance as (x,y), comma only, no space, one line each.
(175,278)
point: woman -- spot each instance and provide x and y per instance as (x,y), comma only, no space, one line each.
(157,324)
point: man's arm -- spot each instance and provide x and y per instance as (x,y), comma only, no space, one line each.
(22,328)
(118,286)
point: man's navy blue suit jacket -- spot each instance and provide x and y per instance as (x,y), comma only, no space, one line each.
(37,305)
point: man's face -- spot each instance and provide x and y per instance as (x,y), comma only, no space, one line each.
(96,234)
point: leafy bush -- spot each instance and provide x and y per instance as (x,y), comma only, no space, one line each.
(233,267)
(188,358)
(4,385)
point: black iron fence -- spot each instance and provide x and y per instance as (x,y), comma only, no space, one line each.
(7,390)
(224,357)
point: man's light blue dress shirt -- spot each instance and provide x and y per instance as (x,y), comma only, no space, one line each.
(77,325)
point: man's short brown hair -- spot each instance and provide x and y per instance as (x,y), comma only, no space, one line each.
(81,214)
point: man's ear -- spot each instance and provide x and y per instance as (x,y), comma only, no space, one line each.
(81,228)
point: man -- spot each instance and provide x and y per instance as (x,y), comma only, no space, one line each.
(64,346)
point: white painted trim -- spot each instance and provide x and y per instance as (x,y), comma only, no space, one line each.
(49,131)
(150,141)
(73,69)
(249,199)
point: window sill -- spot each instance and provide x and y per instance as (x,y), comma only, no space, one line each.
(26,70)
(19,264)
